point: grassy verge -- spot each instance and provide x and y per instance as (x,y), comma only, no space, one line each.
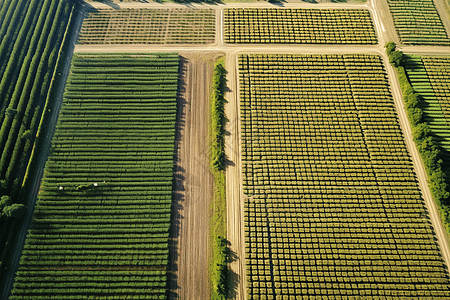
(423,138)
(218,267)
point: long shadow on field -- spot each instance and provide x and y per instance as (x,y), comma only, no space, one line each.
(112,4)
(187,2)
(178,183)
(233,277)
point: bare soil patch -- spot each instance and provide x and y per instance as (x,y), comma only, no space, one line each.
(193,188)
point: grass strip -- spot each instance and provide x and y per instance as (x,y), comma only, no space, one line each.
(219,269)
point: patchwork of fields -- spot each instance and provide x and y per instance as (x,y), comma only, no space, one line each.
(101,224)
(149,26)
(298,26)
(332,203)
(326,201)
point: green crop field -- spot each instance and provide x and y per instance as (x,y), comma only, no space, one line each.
(31,35)
(332,204)
(101,224)
(430,77)
(298,26)
(418,22)
(149,26)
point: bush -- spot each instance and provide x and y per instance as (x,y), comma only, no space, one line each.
(15,211)
(5,201)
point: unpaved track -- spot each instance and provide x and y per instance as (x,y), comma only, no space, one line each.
(234,192)
(193,189)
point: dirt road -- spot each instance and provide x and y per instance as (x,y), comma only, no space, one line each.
(193,191)
(234,192)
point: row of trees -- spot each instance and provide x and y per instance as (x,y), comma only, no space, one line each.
(31,37)
(264,25)
(149,26)
(221,255)
(426,143)
(418,22)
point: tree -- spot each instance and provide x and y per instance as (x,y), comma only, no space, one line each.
(396,58)
(390,47)
(5,201)
(15,210)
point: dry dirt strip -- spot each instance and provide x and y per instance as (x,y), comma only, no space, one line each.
(193,189)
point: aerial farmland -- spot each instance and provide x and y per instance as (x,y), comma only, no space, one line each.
(224,150)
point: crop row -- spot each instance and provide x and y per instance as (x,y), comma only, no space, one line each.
(149,26)
(32,33)
(104,205)
(298,26)
(332,204)
(427,76)
(418,22)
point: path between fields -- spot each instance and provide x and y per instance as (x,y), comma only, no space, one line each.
(188,284)
(193,191)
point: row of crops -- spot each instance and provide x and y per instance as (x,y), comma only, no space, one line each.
(149,26)
(31,35)
(430,77)
(298,26)
(332,204)
(101,223)
(418,22)
(427,95)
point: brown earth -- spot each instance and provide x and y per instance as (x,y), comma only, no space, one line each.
(193,188)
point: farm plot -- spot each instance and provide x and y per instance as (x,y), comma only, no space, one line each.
(298,26)
(31,35)
(430,77)
(332,205)
(149,26)
(101,224)
(418,22)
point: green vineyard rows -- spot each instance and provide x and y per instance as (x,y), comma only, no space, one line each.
(418,22)
(101,223)
(31,33)
(298,26)
(333,208)
(149,26)
(429,77)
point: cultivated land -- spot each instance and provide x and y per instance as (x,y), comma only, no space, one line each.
(429,76)
(298,26)
(418,22)
(101,224)
(385,31)
(32,34)
(325,166)
(148,26)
